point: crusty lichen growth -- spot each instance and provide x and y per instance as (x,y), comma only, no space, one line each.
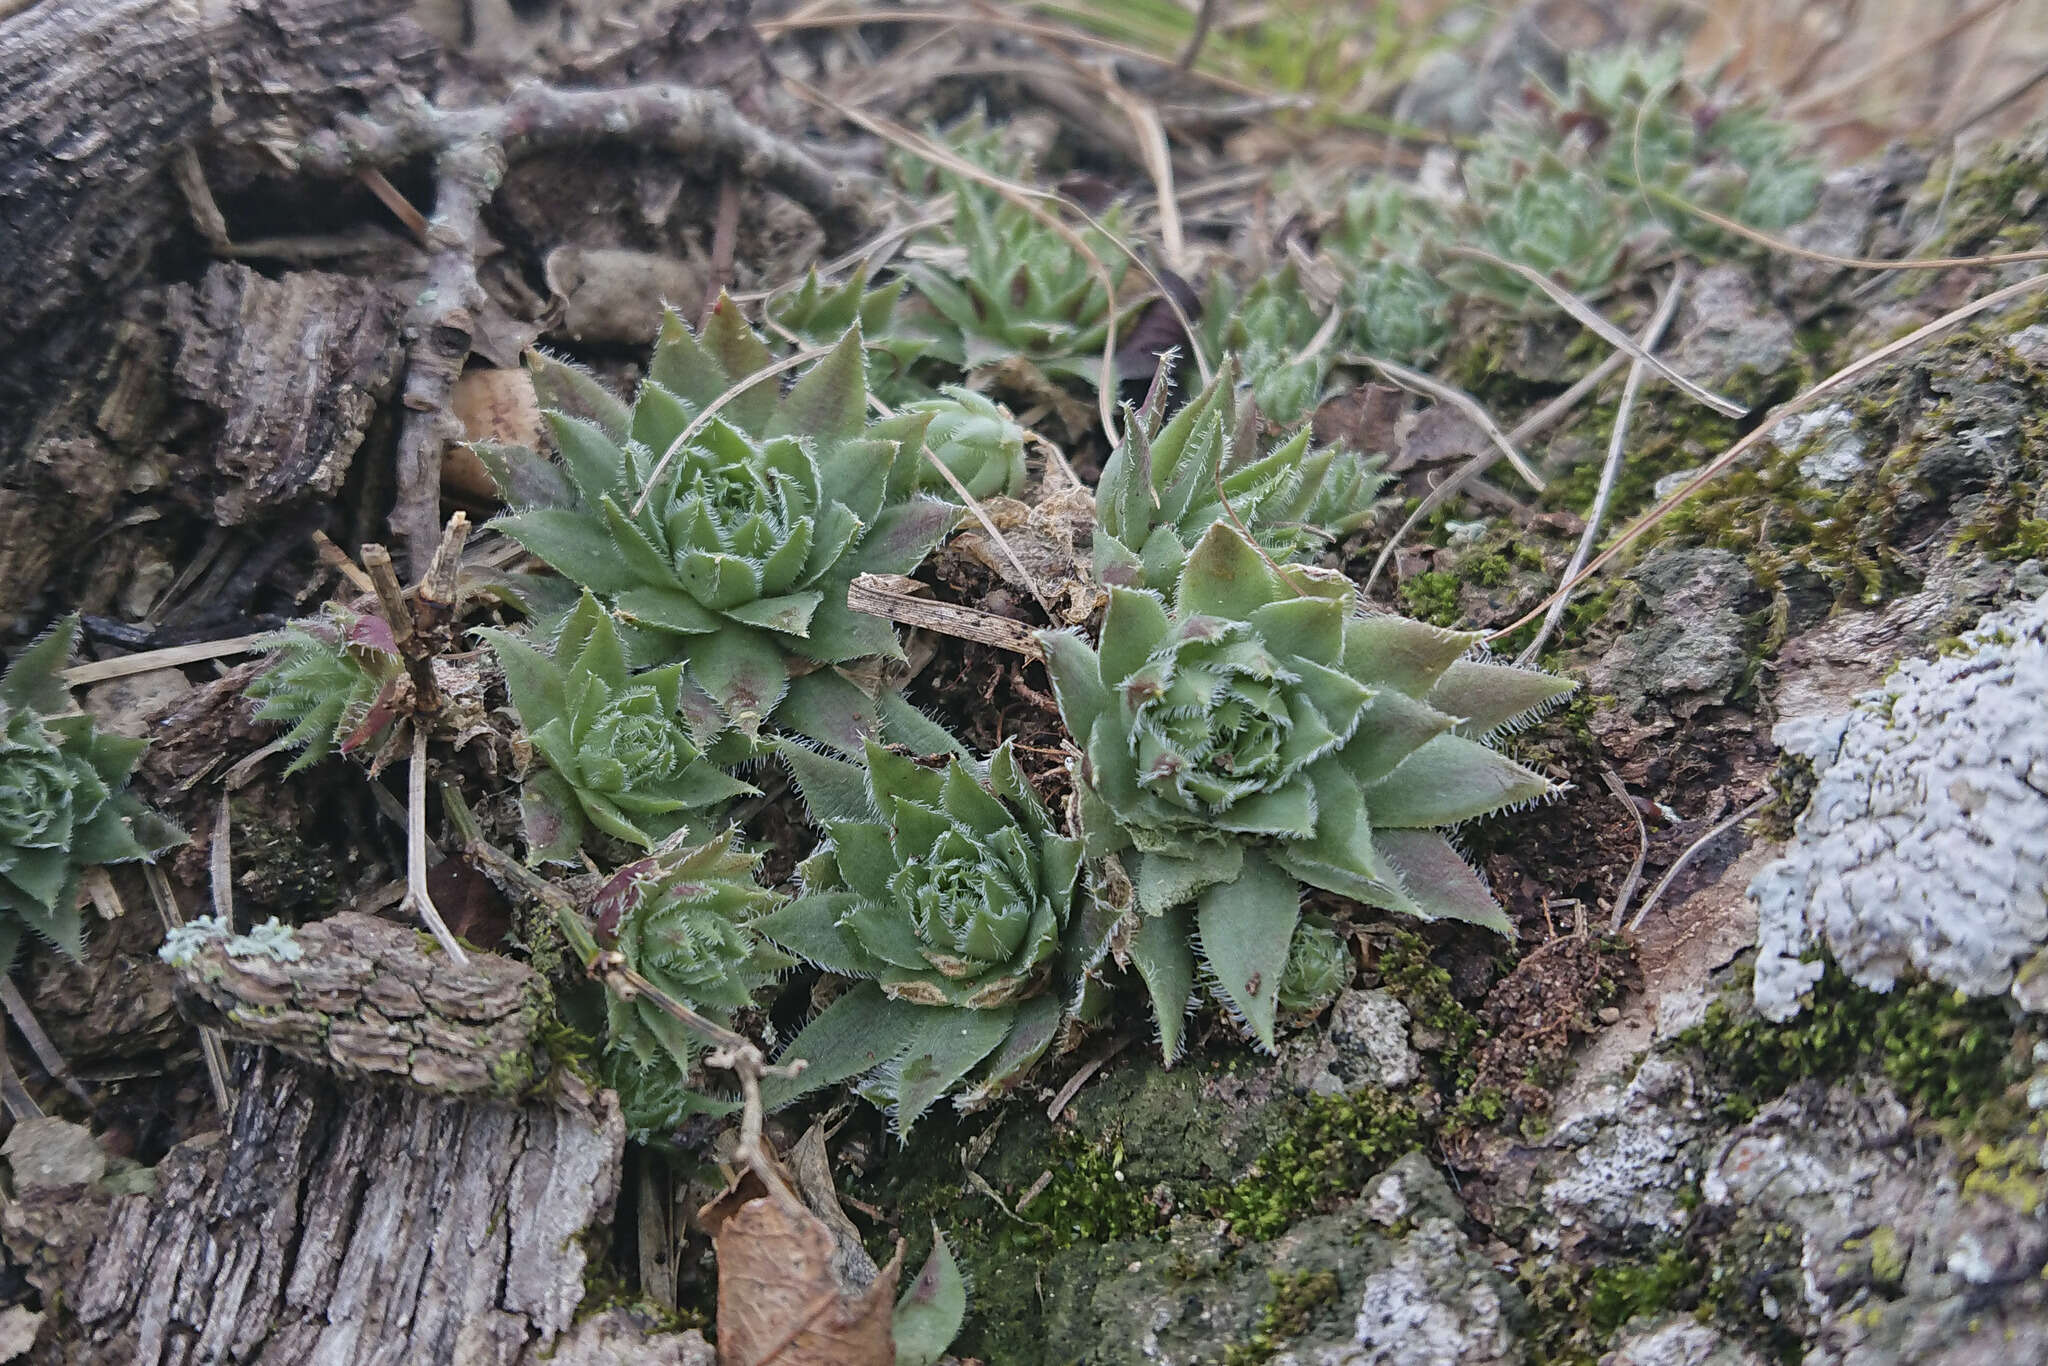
(1925,844)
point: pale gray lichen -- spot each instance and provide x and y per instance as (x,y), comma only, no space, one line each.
(1925,843)
(271,939)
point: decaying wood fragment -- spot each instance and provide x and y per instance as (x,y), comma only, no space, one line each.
(886,596)
(334,1223)
(372,1000)
(297,368)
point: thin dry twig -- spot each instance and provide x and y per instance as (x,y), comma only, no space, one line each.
(39,1042)
(1841,379)
(1829,258)
(470,150)
(1685,859)
(1610,470)
(1591,319)
(888,596)
(711,410)
(770,28)
(148,661)
(1464,403)
(1542,420)
(1635,871)
(166,902)
(416,894)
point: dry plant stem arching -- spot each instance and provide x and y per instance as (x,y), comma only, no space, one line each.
(471,149)
(1611,469)
(1841,379)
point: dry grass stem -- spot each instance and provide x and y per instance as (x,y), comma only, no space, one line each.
(1610,470)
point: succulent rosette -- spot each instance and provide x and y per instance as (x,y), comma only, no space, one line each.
(1256,734)
(64,806)
(727,538)
(1166,484)
(685,919)
(331,681)
(949,894)
(610,746)
(1018,288)
(979,442)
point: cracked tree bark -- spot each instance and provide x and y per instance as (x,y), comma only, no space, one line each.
(348,1223)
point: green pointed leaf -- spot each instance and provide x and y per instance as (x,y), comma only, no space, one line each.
(667,609)
(595,464)
(531,678)
(832,789)
(789,615)
(929,1315)
(856,1034)
(829,708)
(31,682)
(525,478)
(903,724)
(1163,881)
(744,673)
(1076,680)
(947,1046)
(1448,780)
(1484,697)
(838,633)
(1393,727)
(1132,628)
(1166,964)
(1409,655)
(552,818)
(740,352)
(571,389)
(1246,925)
(904,534)
(1439,880)
(1226,576)
(809,927)
(830,402)
(574,542)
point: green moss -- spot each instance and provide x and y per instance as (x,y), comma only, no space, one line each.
(1089,1200)
(1945,1054)
(2011,1171)
(1432,597)
(1328,1154)
(1406,970)
(1296,1299)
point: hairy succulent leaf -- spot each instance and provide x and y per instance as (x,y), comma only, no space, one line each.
(685,920)
(819,314)
(1318,967)
(330,681)
(610,746)
(1559,187)
(1266,327)
(976,440)
(739,556)
(1164,486)
(1014,287)
(1256,734)
(64,804)
(951,893)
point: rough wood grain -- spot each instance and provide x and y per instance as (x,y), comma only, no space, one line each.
(371,1000)
(341,1225)
(96,96)
(296,369)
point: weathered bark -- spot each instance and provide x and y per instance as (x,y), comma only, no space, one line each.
(97,96)
(97,99)
(372,1001)
(296,368)
(350,1226)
